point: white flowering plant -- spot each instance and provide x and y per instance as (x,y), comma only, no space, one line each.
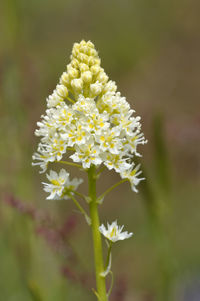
(90,123)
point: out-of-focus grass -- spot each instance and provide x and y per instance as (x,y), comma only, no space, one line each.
(149,48)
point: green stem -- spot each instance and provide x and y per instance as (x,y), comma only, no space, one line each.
(108,261)
(101,170)
(70,163)
(111,285)
(80,209)
(70,148)
(71,100)
(98,254)
(101,197)
(108,256)
(81,195)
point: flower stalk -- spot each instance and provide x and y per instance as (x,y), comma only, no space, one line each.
(97,242)
(82,211)
(70,164)
(101,197)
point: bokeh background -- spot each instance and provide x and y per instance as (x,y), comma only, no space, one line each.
(151,49)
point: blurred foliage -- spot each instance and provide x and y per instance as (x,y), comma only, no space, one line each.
(151,49)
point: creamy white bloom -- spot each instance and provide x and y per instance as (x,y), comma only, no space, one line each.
(132,175)
(54,99)
(85,105)
(114,232)
(98,125)
(116,162)
(109,140)
(60,185)
(88,154)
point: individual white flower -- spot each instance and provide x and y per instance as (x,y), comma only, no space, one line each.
(132,175)
(76,134)
(60,185)
(114,232)
(88,154)
(113,103)
(109,140)
(132,142)
(63,116)
(116,162)
(110,87)
(49,151)
(102,77)
(97,123)
(54,99)
(41,160)
(126,122)
(85,105)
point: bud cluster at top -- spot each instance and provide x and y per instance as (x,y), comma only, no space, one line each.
(98,127)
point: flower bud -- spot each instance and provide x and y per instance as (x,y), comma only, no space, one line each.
(110,87)
(92,52)
(64,79)
(75,63)
(73,73)
(75,50)
(96,88)
(86,76)
(83,67)
(91,61)
(102,77)
(95,69)
(97,61)
(90,44)
(77,84)
(62,91)
(84,49)
(83,58)
(83,43)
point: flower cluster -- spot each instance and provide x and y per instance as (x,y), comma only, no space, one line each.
(98,125)
(114,232)
(60,186)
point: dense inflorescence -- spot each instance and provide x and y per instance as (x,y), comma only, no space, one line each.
(87,119)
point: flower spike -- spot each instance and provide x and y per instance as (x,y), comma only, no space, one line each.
(98,124)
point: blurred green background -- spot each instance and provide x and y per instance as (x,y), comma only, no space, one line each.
(151,49)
